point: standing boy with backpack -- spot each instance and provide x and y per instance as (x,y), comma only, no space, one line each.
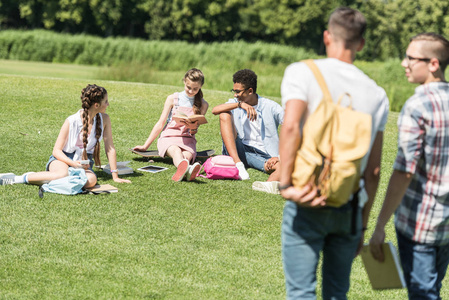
(418,190)
(309,225)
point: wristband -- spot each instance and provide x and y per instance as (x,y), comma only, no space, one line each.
(284,186)
(240,104)
(114,171)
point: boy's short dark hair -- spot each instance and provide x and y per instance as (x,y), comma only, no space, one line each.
(247,78)
(347,24)
(438,49)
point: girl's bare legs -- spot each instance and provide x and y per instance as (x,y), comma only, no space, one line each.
(178,155)
(175,153)
(181,159)
(57,170)
(187,155)
(91,179)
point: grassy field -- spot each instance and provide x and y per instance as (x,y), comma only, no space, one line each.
(389,75)
(56,70)
(155,239)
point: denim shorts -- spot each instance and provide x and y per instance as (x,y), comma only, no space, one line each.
(250,156)
(70,155)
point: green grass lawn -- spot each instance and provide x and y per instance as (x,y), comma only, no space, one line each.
(154,239)
(45,69)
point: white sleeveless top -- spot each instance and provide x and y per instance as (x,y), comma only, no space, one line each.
(75,138)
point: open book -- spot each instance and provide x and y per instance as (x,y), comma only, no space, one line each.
(193,118)
(386,274)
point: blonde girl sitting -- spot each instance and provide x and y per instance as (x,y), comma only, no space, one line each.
(178,140)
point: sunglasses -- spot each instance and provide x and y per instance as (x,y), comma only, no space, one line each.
(238,91)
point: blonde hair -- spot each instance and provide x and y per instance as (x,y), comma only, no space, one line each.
(195,75)
(90,95)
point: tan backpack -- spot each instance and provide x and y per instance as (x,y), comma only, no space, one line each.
(335,139)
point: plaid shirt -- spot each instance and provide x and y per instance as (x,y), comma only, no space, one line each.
(423,150)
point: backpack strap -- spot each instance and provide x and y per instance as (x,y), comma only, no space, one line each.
(327,159)
(319,78)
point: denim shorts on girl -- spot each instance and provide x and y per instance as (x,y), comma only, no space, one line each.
(71,155)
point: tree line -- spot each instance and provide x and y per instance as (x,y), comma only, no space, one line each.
(296,23)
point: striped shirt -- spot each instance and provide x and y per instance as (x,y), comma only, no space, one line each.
(423,150)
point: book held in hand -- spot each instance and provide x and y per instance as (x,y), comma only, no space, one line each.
(386,274)
(193,118)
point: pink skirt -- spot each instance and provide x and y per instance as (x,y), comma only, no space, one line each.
(187,143)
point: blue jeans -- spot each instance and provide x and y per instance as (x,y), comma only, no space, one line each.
(251,157)
(424,267)
(308,231)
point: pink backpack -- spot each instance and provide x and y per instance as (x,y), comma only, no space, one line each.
(220,167)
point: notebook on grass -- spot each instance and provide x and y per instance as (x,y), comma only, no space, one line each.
(122,168)
(103,188)
(152,169)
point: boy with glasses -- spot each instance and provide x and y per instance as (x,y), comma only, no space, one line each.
(418,191)
(249,129)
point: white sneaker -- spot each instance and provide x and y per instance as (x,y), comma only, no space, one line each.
(6,181)
(7,178)
(242,171)
(7,175)
(271,187)
(193,171)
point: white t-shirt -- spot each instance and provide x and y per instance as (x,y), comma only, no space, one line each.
(300,83)
(253,136)
(75,130)
(184,100)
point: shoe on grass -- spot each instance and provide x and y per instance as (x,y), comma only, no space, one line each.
(242,171)
(193,171)
(271,187)
(7,178)
(181,170)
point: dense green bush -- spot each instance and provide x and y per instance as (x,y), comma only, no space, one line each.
(289,22)
(40,45)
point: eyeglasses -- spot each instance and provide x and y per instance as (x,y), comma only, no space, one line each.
(238,91)
(409,58)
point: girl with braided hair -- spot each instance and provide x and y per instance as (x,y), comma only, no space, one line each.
(79,141)
(178,140)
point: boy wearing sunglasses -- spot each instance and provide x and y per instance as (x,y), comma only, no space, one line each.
(249,129)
